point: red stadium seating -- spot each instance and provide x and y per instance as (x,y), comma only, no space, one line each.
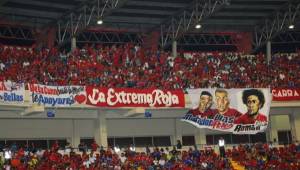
(122,66)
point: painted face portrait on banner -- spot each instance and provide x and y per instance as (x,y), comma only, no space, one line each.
(204,105)
(205,101)
(254,100)
(240,111)
(222,101)
(222,104)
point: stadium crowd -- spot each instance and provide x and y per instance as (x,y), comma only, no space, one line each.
(252,157)
(131,66)
(266,156)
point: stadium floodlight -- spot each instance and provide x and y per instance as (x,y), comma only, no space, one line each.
(198,26)
(291,26)
(100,21)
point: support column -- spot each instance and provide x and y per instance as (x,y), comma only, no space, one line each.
(200,137)
(296,124)
(293,126)
(269,52)
(174,48)
(75,138)
(268,132)
(273,132)
(73,43)
(177,131)
(100,134)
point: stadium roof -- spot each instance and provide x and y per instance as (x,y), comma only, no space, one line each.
(143,16)
(148,14)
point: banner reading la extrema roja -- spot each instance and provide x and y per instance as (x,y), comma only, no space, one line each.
(129,97)
(240,111)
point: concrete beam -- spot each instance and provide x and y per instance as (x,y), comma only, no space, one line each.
(34,109)
(134,112)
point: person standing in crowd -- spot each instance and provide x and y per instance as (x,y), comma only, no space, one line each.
(222,103)
(148,150)
(14,147)
(82,147)
(68,148)
(33,149)
(55,146)
(178,145)
(222,147)
(254,100)
(94,146)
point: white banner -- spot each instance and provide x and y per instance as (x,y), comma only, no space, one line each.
(57,96)
(12,93)
(240,111)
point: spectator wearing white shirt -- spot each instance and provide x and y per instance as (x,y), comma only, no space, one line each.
(2,66)
(123,158)
(162,162)
(222,147)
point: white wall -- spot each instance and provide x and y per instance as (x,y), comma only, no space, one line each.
(62,128)
(41,128)
(281,122)
(140,127)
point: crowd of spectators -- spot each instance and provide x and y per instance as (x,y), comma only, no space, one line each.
(259,156)
(266,156)
(112,159)
(131,66)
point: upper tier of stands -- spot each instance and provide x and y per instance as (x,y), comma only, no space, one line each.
(131,66)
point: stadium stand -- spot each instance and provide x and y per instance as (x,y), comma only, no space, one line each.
(126,66)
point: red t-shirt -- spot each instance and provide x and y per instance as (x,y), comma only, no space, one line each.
(230,113)
(247,119)
(208,113)
(94,146)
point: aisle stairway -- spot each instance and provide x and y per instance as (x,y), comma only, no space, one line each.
(236,166)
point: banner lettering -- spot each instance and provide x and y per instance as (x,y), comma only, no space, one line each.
(122,97)
(285,94)
(57,96)
(12,93)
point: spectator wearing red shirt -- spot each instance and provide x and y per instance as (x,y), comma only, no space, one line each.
(55,146)
(94,146)
(254,100)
